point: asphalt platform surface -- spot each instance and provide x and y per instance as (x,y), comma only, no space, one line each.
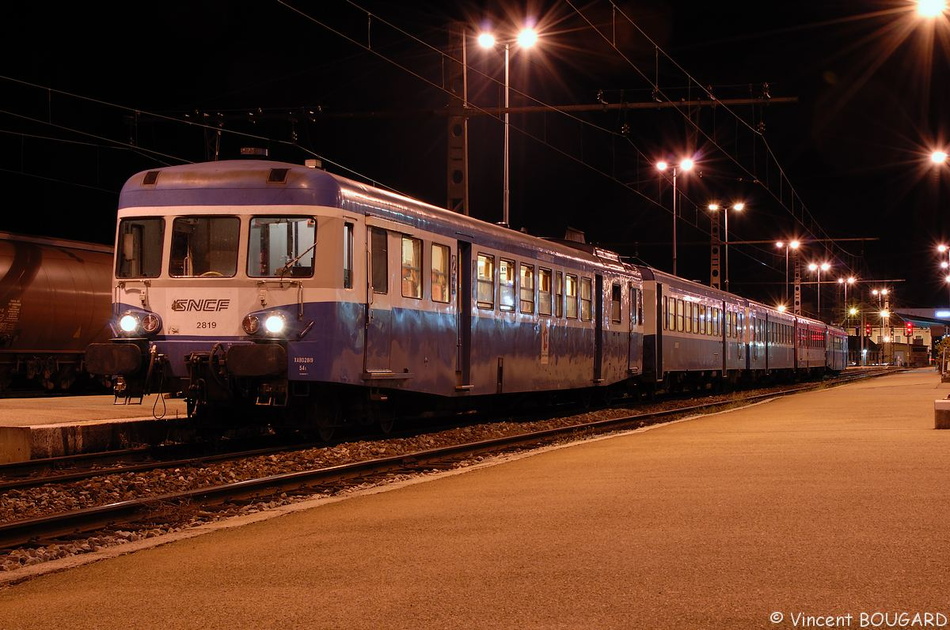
(824,509)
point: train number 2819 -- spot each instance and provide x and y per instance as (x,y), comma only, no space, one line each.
(207,325)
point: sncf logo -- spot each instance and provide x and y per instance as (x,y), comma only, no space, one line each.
(201,306)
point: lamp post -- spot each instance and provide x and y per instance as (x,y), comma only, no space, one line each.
(793,244)
(945,264)
(684,165)
(845,282)
(819,267)
(715,207)
(885,315)
(881,295)
(883,306)
(939,158)
(527,37)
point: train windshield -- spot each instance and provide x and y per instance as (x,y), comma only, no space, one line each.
(204,247)
(140,248)
(281,246)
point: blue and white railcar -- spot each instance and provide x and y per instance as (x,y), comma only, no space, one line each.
(837,349)
(693,333)
(264,284)
(780,339)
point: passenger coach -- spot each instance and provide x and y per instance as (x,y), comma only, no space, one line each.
(299,296)
(255,284)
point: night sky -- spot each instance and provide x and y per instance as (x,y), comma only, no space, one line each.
(847,101)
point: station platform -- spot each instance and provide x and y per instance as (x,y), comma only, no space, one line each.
(41,427)
(823,509)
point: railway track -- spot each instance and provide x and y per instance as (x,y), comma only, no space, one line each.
(326,476)
(71,468)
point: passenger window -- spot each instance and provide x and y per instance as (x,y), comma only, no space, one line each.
(506,285)
(586,300)
(679,315)
(636,306)
(348,255)
(281,246)
(379,243)
(570,292)
(544,292)
(485,281)
(559,294)
(140,248)
(527,289)
(411,267)
(440,273)
(615,301)
(204,247)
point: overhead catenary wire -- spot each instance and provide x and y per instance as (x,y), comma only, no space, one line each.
(798,210)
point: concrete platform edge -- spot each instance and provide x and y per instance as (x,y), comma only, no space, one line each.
(36,442)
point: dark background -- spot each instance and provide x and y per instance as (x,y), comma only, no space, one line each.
(837,156)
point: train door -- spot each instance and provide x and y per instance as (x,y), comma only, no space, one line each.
(598,328)
(653,344)
(634,321)
(378,303)
(721,324)
(795,344)
(745,337)
(753,339)
(464,293)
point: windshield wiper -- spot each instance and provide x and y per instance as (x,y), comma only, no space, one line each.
(290,263)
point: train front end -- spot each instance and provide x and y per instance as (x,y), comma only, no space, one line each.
(218,288)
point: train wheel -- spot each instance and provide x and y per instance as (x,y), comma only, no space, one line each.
(385,417)
(326,415)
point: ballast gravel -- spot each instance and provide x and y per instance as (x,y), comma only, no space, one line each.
(52,499)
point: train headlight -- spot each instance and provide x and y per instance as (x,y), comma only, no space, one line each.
(129,323)
(251,324)
(151,323)
(136,323)
(275,324)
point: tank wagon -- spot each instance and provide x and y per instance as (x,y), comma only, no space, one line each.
(55,299)
(283,290)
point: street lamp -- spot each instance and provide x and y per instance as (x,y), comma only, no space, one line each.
(715,207)
(819,268)
(794,244)
(684,165)
(527,38)
(931,8)
(881,296)
(845,282)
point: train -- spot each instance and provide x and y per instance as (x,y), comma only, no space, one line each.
(55,300)
(260,287)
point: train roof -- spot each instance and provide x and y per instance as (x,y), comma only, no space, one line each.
(269,182)
(649,273)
